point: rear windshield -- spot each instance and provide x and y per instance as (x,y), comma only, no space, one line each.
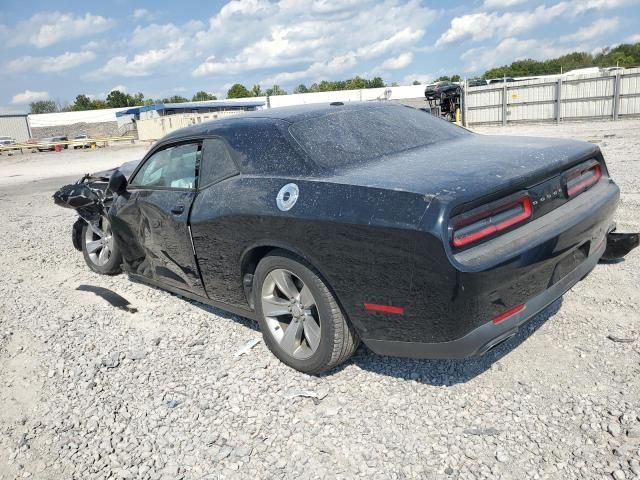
(348,137)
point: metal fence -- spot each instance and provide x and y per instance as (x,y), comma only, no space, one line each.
(608,96)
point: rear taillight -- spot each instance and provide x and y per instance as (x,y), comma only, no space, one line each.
(487,220)
(582,177)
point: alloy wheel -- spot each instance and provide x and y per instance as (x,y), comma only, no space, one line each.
(99,242)
(291,313)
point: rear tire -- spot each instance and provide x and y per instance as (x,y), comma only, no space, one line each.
(322,337)
(101,253)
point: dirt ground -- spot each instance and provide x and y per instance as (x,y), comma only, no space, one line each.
(92,391)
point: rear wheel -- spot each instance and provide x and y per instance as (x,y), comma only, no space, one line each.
(100,251)
(301,322)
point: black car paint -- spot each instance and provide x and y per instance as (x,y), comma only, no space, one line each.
(377,233)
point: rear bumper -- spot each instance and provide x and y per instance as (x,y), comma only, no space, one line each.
(486,336)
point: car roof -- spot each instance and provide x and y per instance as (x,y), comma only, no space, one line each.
(281,114)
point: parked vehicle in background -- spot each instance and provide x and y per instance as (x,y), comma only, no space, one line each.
(7,141)
(478,82)
(501,80)
(81,145)
(50,143)
(441,90)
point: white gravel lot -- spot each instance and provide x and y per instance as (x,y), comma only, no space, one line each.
(89,391)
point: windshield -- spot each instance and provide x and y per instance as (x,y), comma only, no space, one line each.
(349,137)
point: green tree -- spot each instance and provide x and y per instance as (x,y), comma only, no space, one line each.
(356,83)
(117,99)
(174,99)
(82,102)
(98,105)
(238,90)
(256,91)
(376,82)
(624,55)
(138,99)
(43,106)
(455,78)
(275,90)
(302,88)
(416,82)
(203,96)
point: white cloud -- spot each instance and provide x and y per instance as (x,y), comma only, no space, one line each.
(141,13)
(485,25)
(423,78)
(28,96)
(584,5)
(60,63)
(317,70)
(154,35)
(508,50)
(396,63)
(47,28)
(120,88)
(501,3)
(633,38)
(251,35)
(596,29)
(142,64)
(481,26)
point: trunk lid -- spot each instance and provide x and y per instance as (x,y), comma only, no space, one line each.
(471,167)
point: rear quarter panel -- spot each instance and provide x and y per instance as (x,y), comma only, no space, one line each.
(364,241)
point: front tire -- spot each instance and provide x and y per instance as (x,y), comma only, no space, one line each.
(99,248)
(301,321)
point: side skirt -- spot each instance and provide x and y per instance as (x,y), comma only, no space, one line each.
(242,312)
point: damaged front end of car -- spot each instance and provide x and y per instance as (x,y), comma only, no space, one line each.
(89,198)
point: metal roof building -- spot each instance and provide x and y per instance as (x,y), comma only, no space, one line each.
(15,125)
(163,109)
(155,121)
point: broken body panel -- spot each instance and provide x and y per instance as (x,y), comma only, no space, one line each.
(378,230)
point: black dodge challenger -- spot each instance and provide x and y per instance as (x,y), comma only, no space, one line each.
(338,223)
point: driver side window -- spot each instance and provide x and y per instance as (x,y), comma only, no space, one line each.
(173,167)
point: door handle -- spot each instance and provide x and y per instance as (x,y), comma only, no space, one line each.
(177,209)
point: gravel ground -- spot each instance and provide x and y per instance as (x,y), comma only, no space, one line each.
(92,391)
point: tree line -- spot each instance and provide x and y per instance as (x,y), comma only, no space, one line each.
(238,90)
(115,99)
(624,55)
(118,99)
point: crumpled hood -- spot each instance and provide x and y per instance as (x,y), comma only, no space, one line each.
(126,168)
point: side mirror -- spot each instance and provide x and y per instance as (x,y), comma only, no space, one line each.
(117,183)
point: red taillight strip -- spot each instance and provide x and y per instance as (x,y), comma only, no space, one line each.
(527,211)
(375,307)
(587,182)
(502,317)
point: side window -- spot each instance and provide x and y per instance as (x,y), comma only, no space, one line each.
(173,167)
(216,162)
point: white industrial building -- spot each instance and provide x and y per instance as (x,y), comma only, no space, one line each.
(15,125)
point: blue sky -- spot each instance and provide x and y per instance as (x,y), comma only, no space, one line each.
(161,48)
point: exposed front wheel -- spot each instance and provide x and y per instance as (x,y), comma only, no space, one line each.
(100,251)
(301,322)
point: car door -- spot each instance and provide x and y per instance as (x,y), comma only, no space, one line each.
(152,224)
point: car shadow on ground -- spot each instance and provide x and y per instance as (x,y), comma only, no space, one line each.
(448,372)
(430,372)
